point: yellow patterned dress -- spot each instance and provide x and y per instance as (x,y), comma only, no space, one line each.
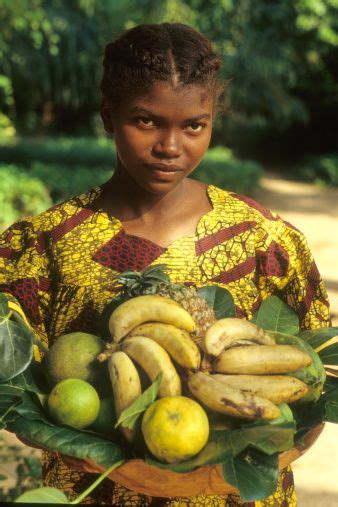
(58,268)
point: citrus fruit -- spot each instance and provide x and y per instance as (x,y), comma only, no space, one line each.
(175,428)
(74,402)
(74,355)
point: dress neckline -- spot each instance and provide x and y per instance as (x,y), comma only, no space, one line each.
(117,222)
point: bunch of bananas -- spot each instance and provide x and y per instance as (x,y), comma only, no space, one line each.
(249,374)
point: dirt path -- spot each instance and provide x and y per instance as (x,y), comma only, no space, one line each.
(314,211)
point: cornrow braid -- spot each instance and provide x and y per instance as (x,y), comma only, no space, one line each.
(171,52)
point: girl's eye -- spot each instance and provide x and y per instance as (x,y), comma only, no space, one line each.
(145,122)
(195,128)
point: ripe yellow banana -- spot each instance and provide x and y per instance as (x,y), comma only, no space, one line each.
(226,333)
(147,308)
(126,385)
(230,400)
(154,359)
(276,388)
(177,342)
(261,359)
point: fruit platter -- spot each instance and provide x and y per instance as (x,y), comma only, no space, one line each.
(173,395)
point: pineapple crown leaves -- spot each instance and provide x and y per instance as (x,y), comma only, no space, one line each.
(143,282)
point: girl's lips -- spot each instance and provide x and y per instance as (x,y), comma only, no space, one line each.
(165,168)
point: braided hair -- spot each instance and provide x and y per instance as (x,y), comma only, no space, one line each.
(170,52)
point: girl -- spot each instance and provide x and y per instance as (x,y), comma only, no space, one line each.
(160,95)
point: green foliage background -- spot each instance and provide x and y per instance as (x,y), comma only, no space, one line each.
(279,61)
(280,57)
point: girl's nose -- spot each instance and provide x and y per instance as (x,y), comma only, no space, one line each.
(168,145)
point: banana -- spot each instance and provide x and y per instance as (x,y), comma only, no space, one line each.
(276,388)
(229,332)
(154,359)
(176,342)
(126,385)
(314,375)
(140,309)
(261,359)
(230,400)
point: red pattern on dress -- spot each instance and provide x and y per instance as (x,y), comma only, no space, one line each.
(126,251)
(212,240)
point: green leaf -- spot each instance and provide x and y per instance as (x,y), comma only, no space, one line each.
(130,415)
(329,355)
(32,424)
(31,379)
(4,308)
(253,473)
(316,337)
(43,495)
(72,442)
(30,408)
(157,267)
(16,349)
(220,300)
(3,477)
(331,405)
(10,398)
(307,416)
(275,315)
(331,383)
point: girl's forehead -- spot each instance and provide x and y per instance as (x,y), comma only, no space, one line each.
(163,99)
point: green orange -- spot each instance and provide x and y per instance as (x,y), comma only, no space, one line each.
(74,402)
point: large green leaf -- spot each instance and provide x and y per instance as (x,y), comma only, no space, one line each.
(31,379)
(331,405)
(10,398)
(307,416)
(222,444)
(329,355)
(32,423)
(129,417)
(275,315)
(316,337)
(31,408)
(331,383)
(220,300)
(4,309)
(253,473)
(69,441)
(43,495)
(16,348)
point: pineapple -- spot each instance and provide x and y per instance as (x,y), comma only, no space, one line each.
(153,280)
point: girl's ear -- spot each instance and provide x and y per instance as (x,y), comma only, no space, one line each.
(106,115)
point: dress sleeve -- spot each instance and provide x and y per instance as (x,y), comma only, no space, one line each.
(297,279)
(25,275)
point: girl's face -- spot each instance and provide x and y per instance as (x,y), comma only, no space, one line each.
(161,136)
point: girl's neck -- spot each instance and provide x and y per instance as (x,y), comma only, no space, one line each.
(126,200)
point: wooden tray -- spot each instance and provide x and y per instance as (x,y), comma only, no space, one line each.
(139,476)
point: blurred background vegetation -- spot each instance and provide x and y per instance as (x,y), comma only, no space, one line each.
(280,58)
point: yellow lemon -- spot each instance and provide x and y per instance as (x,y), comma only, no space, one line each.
(74,402)
(175,428)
